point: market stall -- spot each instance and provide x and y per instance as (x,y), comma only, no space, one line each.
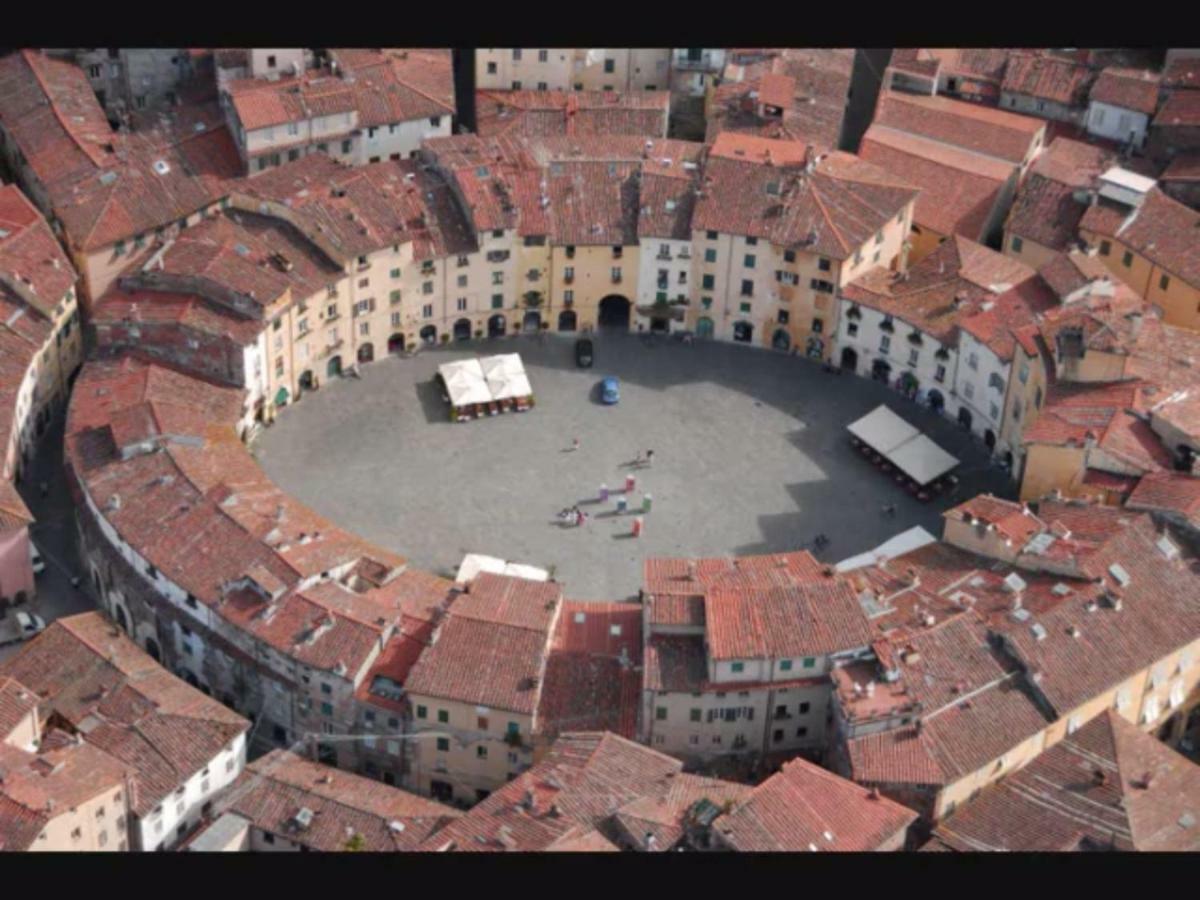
(486,387)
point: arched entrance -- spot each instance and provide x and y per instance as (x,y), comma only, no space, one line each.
(850,359)
(989,439)
(881,370)
(366,353)
(429,334)
(306,380)
(614,312)
(964,417)
(743,332)
(122,619)
(567,320)
(395,343)
(462,330)
(660,325)
(907,383)
(281,397)
(532,321)
(496,326)
(334,368)
(152,649)
(936,401)
(704,327)
(815,347)
(781,340)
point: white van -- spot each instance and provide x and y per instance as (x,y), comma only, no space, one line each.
(35,559)
(31,625)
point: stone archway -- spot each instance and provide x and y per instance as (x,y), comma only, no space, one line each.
(334,367)
(153,650)
(781,340)
(965,417)
(989,439)
(937,402)
(743,332)
(567,320)
(395,344)
(306,380)
(614,312)
(497,325)
(366,353)
(462,330)
(881,370)
(704,327)
(429,334)
(850,359)
(532,321)
(121,617)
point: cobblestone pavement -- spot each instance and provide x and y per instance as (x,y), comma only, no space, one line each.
(751,456)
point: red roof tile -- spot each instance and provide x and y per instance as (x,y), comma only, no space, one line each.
(1127,88)
(1182,110)
(990,132)
(1047,78)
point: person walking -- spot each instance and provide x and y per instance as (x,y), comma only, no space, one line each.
(649,457)
(575,443)
(889,509)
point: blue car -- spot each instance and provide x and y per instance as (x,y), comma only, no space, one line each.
(609,392)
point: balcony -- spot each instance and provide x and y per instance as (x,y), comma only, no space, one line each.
(664,256)
(569,279)
(616,278)
(690,64)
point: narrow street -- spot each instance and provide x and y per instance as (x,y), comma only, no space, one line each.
(54,534)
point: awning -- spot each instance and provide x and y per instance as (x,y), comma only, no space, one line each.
(465,382)
(922,460)
(281,397)
(882,430)
(474,563)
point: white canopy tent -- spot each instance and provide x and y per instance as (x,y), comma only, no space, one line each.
(481,381)
(882,430)
(922,460)
(465,382)
(474,563)
(904,542)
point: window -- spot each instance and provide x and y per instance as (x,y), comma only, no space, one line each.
(497,301)
(789,256)
(710,235)
(443,715)
(744,307)
(268,838)
(708,282)
(940,374)
(1164,282)
(516,85)
(805,707)
(1105,248)
(747,288)
(660,714)
(346,145)
(568,297)
(694,715)
(427,311)
(326,689)
(443,744)
(914,356)
(569,274)
(852,329)
(819,284)
(973,360)
(1016,245)
(785,665)
(810,662)
(802,731)
(498,277)
(778,735)
(969,391)
(481,752)
(327,709)
(422,712)
(543,55)
(610,66)
(513,730)
(462,281)
(427,287)
(616,273)
(1127,259)
(782,317)
(749,261)
(491,68)
(751,241)
(737,667)
(462,304)
(516,55)
(885,343)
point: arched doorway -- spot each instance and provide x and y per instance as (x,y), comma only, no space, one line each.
(989,439)
(815,347)
(152,649)
(532,321)
(614,312)
(660,324)
(908,385)
(281,397)
(567,320)
(496,326)
(850,359)
(462,330)
(964,417)
(395,343)
(743,332)
(306,380)
(881,370)
(704,327)
(936,401)
(122,619)
(334,368)
(781,340)
(366,353)
(429,334)
(1006,460)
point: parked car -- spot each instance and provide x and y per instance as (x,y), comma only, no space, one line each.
(31,625)
(583,353)
(610,393)
(35,560)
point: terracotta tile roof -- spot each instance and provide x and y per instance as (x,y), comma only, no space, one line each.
(1182,73)
(1107,786)
(1182,110)
(1086,653)
(1183,167)
(593,203)
(31,260)
(1046,211)
(958,189)
(1168,492)
(1011,318)
(16,703)
(593,676)
(1127,88)
(664,816)
(831,211)
(811,85)
(123,702)
(1012,520)
(1047,78)
(675,663)
(1067,272)
(548,113)
(899,756)
(137,307)
(979,129)
(806,619)
(804,807)
(1161,229)
(690,577)
(276,787)
(584,779)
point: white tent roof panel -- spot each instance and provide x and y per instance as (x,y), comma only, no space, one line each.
(882,430)
(922,460)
